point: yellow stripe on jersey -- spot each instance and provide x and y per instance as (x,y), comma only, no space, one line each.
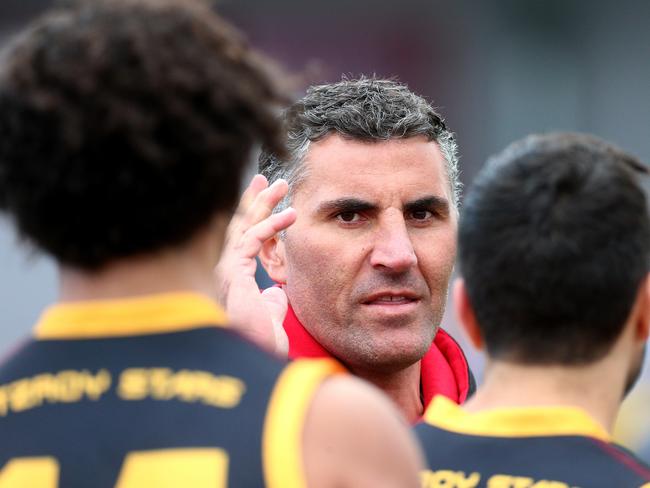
(170,468)
(150,314)
(513,421)
(285,418)
(41,472)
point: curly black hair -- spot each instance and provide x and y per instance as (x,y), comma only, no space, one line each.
(125,126)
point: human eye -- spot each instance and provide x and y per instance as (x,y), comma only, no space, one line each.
(348,217)
(349,212)
(426,211)
(421,215)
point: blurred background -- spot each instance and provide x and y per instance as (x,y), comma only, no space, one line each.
(497,69)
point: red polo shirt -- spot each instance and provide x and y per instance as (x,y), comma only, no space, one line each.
(444,367)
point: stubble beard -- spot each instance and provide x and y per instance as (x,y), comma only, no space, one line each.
(357,347)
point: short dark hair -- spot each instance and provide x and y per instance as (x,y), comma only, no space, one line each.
(367,109)
(125,126)
(554,242)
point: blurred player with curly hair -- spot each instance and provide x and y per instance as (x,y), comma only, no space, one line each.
(125,127)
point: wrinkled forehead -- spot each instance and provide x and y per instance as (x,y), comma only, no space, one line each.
(402,169)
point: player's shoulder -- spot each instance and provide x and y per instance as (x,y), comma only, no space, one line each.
(334,394)
(625,461)
(335,428)
(373,441)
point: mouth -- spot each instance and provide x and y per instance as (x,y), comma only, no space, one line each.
(391,299)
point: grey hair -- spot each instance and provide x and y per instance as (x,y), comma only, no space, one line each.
(368,109)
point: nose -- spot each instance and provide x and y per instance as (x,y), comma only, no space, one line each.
(393,249)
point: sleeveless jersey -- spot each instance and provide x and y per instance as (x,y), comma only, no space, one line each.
(151,391)
(539,447)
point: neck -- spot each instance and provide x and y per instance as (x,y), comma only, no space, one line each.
(403,387)
(596,389)
(186,268)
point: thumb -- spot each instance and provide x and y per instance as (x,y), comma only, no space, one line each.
(276,303)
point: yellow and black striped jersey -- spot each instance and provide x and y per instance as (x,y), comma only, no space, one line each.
(532,447)
(150,391)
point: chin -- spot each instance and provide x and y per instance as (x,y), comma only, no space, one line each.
(387,358)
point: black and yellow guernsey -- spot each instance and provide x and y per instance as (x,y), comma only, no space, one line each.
(150,392)
(539,447)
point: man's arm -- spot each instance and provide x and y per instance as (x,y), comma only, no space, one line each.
(354,437)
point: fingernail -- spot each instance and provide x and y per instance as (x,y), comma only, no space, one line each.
(278,182)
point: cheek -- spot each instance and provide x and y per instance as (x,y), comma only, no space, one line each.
(436,261)
(316,288)
(314,268)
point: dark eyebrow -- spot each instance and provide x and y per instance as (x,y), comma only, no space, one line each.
(345,205)
(436,204)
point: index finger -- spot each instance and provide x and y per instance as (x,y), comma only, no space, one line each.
(257,184)
(265,201)
(258,210)
(251,243)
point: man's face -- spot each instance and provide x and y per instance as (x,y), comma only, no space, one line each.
(368,260)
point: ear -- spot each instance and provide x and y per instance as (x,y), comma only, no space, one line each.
(273,259)
(465,314)
(643,307)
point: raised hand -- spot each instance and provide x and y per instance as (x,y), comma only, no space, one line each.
(258,315)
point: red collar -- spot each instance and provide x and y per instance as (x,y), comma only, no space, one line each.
(444,368)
